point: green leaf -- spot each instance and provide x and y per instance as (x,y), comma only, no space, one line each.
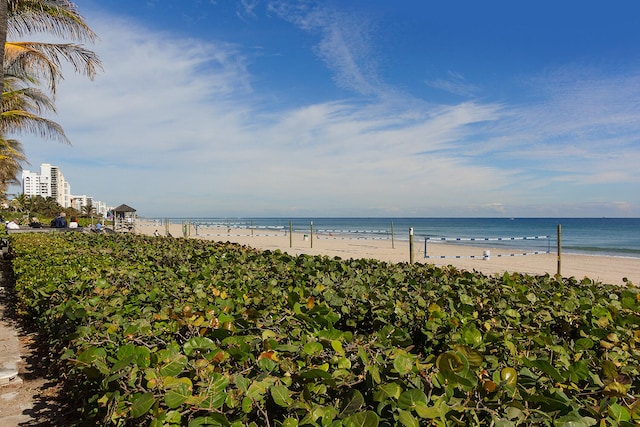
(247,405)
(450,361)
(545,367)
(619,413)
(179,390)
(387,391)
(126,352)
(362,419)
(313,348)
(352,403)
(403,363)
(427,412)
(141,404)
(171,362)
(281,396)
(316,373)
(609,369)
(198,344)
(90,355)
(579,371)
(474,357)
(466,299)
(142,357)
(173,417)
(510,312)
(211,420)
(407,419)
(583,344)
(95,357)
(574,419)
(409,399)
(472,336)
(290,422)
(337,347)
(258,389)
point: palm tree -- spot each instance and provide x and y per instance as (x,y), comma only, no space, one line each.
(3,33)
(42,60)
(88,210)
(20,202)
(11,160)
(21,108)
(25,64)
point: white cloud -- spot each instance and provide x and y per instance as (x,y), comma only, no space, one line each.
(454,83)
(345,44)
(176,127)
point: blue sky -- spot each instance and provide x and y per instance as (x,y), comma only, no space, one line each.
(356,108)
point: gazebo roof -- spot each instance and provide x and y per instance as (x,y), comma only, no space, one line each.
(124,208)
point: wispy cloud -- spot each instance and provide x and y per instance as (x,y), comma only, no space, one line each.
(454,83)
(345,43)
(177,126)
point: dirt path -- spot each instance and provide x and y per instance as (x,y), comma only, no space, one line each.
(27,396)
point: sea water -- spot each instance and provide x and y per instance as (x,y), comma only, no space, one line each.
(595,236)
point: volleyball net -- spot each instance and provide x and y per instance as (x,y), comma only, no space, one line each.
(507,249)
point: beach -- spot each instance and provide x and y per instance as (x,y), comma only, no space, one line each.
(606,269)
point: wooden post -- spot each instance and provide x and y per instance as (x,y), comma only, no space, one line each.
(559,250)
(311,235)
(393,245)
(411,245)
(290,234)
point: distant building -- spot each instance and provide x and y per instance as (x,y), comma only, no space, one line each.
(79,202)
(51,183)
(48,183)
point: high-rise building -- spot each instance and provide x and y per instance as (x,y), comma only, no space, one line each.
(51,183)
(48,183)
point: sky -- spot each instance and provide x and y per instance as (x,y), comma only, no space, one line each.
(374,108)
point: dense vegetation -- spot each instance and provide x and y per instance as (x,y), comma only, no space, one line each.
(164,332)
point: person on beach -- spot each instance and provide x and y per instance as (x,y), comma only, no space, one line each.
(155,233)
(59,221)
(73,223)
(11,225)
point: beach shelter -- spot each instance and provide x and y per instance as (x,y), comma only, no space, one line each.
(124,218)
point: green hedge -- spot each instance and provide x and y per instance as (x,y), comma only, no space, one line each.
(170,332)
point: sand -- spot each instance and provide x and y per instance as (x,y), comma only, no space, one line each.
(606,269)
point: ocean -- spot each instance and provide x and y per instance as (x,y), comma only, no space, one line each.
(595,236)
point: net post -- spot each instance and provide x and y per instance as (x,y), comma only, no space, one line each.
(559,250)
(425,247)
(411,245)
(393,245)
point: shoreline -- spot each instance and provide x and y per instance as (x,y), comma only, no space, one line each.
(601,268)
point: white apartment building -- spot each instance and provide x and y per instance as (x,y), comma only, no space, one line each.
(48,183)
(51,183)
(79,202)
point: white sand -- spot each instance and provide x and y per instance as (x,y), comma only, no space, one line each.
(600,268)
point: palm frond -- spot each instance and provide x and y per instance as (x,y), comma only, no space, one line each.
(12,158)
(25,98)
(58,17)
(20,121)
(43,60)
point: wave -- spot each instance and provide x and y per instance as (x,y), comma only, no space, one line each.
(603,250)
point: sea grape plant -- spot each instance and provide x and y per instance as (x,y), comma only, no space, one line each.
(186,332)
